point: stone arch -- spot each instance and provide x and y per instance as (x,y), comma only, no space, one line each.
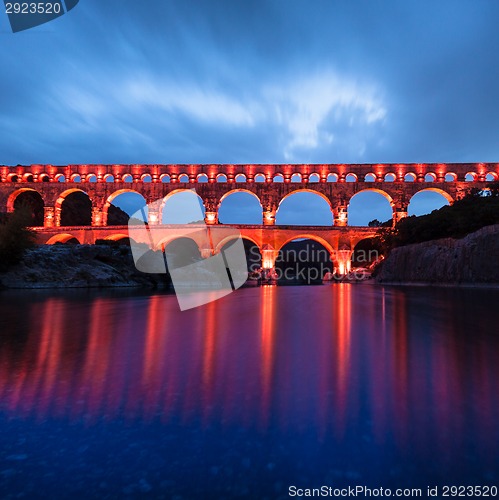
(232,237)
(351,177)
(370,177)
(491,177)
(450,177)
(314,178)
(306,190)
(240,178)
(62,198)
(351,216)
(308,236)
(13,196)
(430,177)
(420,206)
(115,195)
(61,238)
(444,193)
(241,190)
(296,177)
(260,177)
(374,190)
(410,177)
(174,192)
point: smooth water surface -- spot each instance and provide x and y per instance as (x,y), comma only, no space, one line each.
(119,395)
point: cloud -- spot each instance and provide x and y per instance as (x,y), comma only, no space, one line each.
(311,108)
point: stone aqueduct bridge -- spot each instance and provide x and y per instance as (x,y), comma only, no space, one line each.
(336,183)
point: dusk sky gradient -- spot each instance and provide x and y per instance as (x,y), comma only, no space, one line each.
(253,82)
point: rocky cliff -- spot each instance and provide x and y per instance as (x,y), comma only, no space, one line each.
(79,266)
(473,259)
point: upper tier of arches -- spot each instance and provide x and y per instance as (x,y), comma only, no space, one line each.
(303,173)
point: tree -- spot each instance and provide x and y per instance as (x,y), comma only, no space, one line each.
(15,237)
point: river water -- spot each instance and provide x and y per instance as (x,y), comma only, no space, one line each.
(121,395)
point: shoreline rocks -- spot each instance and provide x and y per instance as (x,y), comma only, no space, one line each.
(472,260)
(80,266)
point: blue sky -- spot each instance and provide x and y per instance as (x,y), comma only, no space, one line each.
(121,81)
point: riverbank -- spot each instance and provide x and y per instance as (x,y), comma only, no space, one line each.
(470,261)
(80,266)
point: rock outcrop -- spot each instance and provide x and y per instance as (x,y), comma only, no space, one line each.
(80,266)
(473,259)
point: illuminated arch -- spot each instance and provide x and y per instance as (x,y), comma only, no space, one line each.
(430,177)
(305,190)
(352,209)
(491,177)
(450,177)
(309,236)
(171,238)
(12,197)
(164,178)
(370,177)
(221,178)
(390,177)
(91,178)
(278,178)
(296,177)
(446,196)
(62,197)
(260,177)
(374,190)
(109,178)
(115,195)
(146,178)
(246,191)
(118,237)
(314,178)
(60,178)
(332,177)
(171,194)
(127,178)
(61,238)
(471,177)
(202,178)
(410,177)
(232,237)
(351,177)
(240,178)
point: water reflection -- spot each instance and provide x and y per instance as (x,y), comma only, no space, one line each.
(347,374)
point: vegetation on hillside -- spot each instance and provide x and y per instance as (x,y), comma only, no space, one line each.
(15,237)
(479,208)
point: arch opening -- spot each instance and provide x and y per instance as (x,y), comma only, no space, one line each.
(304,261)
(75,208)
(240,207)
(63,239)
(30,202)
(370,207)
(182,206)
(121,205)
(427,200)
(304,208)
